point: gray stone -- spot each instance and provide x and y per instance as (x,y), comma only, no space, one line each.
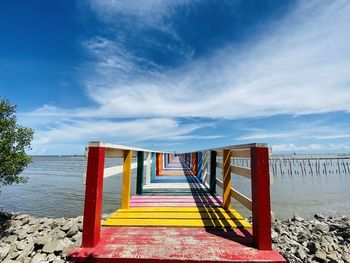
(319,217)
(346,257)
(311,246)
(38,258)
(298,218)
(321,256)
(57,233)
(21,245)
(53,246)
(10,239)
(67,226)
(301,254)
(42,241)
(332,256)
(11,261)
(14,254)
(4,250)
(73,231)
(22,234)
(51,257)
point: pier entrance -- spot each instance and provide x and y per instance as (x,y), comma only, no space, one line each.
(176,214)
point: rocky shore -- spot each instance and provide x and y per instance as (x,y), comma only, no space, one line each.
(321,239)
(25,239)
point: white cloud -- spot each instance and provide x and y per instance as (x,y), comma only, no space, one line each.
(151,12)
(299,65)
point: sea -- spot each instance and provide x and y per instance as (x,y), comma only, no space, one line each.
(55,188)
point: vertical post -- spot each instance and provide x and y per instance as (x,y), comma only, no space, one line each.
(261,198)
(226,176)
(212,172)
(200,165)
(126,179)
(195,163)
(157,163)
(153,167)
(139,178)
(93,197)
(148,168)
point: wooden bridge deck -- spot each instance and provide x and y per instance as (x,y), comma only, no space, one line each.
(178,221)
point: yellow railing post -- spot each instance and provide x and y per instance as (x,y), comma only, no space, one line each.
(226,177)
(126,179)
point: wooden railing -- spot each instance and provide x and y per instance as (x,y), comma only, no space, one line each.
(203,164)
(258,174)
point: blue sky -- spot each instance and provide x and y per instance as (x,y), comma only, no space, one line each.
(179,75)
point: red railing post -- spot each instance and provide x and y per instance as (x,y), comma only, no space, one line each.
(261,198)
(93,196)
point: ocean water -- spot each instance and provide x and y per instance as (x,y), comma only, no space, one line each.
(55,189)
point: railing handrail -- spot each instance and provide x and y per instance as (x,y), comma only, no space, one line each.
(120,147)
(231,147)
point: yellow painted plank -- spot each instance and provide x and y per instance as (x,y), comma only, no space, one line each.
(177,215)
(175,209)
(176,223)
(126,179)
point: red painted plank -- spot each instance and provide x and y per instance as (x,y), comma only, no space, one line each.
(170,245)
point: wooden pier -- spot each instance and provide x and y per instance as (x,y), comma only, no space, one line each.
(176,214)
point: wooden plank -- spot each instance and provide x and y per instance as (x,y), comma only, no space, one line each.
(245,172)
(139,175)
(178,215)
(126,179)
(171,245)
(177,223)
(174,204)
(244,200)
(212,182)
(93,197)
(219,153)
(241,153)
(175,209)
(226,175)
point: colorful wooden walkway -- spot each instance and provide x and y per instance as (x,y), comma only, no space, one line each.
(178,218)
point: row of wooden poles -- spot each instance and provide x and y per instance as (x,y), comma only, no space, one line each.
(258,173)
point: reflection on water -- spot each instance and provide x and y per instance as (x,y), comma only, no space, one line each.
(55,189)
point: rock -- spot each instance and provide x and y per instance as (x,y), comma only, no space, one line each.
(39,258)
(11,261)
(332,256)
(4,250)
(73,231)
(21,245)
(346,257)
(311,246)
(298,218)
(42,241)
(53,246)
(321,256)
(301,254)
(51,257)
(57,233)
(319,217)
(10,239)
(67,226)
